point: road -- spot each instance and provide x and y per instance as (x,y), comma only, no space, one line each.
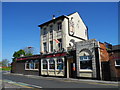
(47,82)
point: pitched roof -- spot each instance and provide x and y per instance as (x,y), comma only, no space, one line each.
(63,16)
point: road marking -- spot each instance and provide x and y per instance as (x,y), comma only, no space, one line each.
(22,84)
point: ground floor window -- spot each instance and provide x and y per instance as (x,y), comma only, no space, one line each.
(60,64)
(117,62)
(32,64)
(85,62)
(27,65)
(51,64)
(45,64)
(36,64)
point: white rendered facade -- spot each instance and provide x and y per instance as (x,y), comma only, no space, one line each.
(62,32)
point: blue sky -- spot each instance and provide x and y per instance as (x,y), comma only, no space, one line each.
(20,22)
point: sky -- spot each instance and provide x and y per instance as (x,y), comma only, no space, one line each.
(20,22)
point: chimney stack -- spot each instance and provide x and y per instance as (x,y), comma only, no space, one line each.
(53,17)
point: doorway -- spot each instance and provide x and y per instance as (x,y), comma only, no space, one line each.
(70,68)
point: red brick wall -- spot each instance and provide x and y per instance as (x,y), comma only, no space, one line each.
(115,70)
(104,56)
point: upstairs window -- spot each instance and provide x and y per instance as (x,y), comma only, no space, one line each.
(44,31)
(59,26)
(51,29)
(60,44)
(51,46)
(45,46)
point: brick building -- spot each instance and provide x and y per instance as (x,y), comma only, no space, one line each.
(114,62)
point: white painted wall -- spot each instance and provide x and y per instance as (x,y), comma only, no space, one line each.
(79,32)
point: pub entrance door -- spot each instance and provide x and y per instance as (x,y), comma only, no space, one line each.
(70,68)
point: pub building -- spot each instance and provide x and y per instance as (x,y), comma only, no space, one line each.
(65,51)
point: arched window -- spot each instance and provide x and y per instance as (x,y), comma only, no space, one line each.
(26,65)
(51,64)
(60,64)
(31,64)
(36,63)
(85,60)
(45,64)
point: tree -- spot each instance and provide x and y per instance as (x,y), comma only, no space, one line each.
(18,54)
(5,62)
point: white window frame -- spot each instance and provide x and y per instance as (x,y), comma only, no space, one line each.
(50,46)
(59,26)
(27,62)
(60,44)
(116,63)
(57,63)
(44,47)
(42,64)
(54,63)
(80,66)
(35,64)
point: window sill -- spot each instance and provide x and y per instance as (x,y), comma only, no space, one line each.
(84,70)
(59,70)
(51,70)
(31,69)
(117,65)
(44,69)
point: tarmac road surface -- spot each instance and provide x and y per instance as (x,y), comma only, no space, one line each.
(52,82)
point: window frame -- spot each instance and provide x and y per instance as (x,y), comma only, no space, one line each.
(59,26)
(44,32)
(50,64)
(88,59)
(27,62)
(116,63)
(44,46)
(60,48)
(43,64)
(51,47)
(57,63)
(51,29)
(31,62)
(36,62)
